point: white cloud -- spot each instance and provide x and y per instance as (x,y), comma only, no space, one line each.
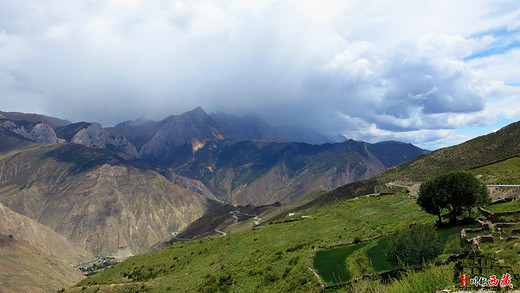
(396,68)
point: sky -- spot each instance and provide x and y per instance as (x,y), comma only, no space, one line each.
(433,72)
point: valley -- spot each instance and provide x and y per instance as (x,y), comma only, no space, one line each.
(200,202)
(280,253)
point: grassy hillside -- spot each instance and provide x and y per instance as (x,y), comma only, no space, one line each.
(270,258)
(273,256)
(479,151)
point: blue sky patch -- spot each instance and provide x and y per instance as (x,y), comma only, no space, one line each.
(506,41)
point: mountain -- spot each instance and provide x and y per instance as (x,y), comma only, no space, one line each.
(219,151)
(257,173)
(476,152)
(95,198)
(94,135)
(51,121)
(27,269)
(34,131)
(247,127)
(304,134)
(180,137)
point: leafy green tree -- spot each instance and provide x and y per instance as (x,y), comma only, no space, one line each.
(455,191)
(414,246)
(432,199)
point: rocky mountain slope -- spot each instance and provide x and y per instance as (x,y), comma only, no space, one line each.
(41,237)
(96,199)
(26,269)
(248,172)
(181,137)
(34,131)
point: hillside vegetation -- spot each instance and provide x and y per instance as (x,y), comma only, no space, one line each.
(271,257)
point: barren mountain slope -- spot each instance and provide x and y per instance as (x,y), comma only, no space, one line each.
(26,269)
(97,199)
(41,237)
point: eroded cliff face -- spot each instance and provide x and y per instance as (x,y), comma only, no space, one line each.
(95,199)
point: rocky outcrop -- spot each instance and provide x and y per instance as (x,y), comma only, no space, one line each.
(44,133)
(92,136)
(39,132)
(97,137)
(124,145)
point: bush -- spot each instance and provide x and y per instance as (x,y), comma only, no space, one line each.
(414,246)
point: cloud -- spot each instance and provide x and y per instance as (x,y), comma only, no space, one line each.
(412,71)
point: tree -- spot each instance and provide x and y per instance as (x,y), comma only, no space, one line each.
(432,199)
(455,191)
(414,246)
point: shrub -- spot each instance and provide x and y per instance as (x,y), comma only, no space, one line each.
(414,246)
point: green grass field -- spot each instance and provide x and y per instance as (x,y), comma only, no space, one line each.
(341,264)
(377,255)
(505,172)
(331,263)
(504,207)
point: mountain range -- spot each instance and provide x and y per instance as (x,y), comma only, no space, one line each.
(122,190)
(275,247)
